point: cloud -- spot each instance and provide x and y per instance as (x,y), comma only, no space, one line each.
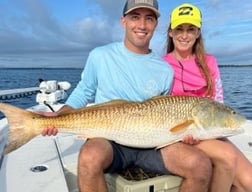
(39,28)
(30,27)
(33,27)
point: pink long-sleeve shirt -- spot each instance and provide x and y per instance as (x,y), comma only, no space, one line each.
(188,79)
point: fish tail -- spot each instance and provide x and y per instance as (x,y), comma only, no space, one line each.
(18,133)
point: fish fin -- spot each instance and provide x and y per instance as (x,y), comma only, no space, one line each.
(81,137)
(18,133)
(106,105)
(166,144)
(166,96)
(110,104)
(181,126)
(158,96)
(115,102)
(85,136)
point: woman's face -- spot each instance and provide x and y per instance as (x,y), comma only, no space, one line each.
(184,36)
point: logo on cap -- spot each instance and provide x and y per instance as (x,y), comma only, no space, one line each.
(185,11)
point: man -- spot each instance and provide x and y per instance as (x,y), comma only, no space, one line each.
(130,70)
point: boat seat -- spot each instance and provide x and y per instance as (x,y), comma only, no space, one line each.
(69,149)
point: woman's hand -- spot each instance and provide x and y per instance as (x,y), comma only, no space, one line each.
(189,139)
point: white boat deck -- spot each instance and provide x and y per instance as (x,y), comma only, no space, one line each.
(23,169)
(16,171)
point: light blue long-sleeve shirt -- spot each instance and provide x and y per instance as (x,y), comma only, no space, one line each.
(113,72)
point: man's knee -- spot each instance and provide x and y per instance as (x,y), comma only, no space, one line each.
(95,155)
(88,158)
(200,165)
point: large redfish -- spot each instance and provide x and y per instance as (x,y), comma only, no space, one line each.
(156,122)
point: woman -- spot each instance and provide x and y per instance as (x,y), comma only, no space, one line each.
(197,74)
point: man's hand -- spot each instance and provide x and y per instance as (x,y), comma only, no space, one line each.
(48,131)
(52,130)
(189,139)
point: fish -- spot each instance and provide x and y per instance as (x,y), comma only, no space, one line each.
(153,123)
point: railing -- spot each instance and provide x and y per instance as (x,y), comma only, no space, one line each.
(49,92)
(17,93)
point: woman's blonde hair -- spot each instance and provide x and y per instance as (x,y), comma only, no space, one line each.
(200,59)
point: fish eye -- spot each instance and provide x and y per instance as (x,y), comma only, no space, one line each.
(234,112)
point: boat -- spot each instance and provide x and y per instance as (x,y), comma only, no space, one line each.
(49,164)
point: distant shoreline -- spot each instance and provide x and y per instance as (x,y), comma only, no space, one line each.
(250,65)
(79,68)
(53,68)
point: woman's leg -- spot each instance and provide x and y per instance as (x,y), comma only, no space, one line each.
(243,176)
(224,162)
(230,166)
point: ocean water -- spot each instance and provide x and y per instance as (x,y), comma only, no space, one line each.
(237,83)
(24,78)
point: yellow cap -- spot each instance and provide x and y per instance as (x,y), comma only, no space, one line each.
(186,13)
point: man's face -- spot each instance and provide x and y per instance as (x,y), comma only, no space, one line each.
(139,27)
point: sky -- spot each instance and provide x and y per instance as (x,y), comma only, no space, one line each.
(61,33)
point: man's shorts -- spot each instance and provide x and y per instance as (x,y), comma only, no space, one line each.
(126,157)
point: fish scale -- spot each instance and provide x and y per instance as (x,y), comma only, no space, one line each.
(153,123)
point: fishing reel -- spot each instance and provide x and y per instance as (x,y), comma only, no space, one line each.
(52,91)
